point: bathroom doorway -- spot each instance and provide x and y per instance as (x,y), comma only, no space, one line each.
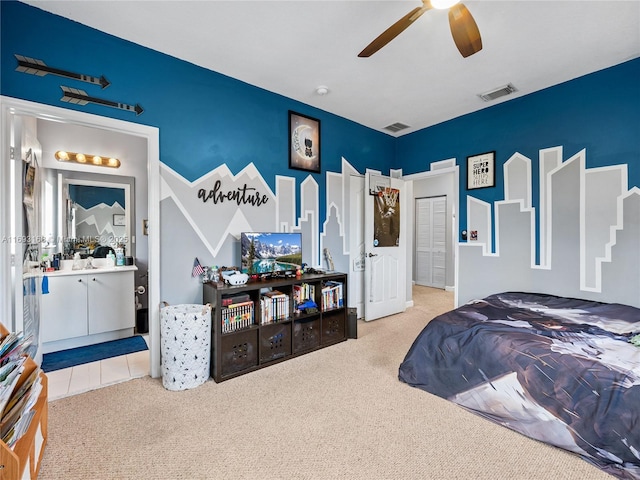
(13,111)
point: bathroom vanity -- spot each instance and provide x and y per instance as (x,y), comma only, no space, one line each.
(84,307)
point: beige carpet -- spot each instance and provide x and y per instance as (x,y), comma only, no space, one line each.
(338,413)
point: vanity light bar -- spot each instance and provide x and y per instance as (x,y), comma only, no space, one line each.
(85,159)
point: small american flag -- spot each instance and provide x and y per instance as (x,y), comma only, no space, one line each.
(197,268)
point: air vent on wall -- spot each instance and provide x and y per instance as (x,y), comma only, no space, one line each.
(498,92)
(396,127)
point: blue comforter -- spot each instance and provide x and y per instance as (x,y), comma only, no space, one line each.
(558,370)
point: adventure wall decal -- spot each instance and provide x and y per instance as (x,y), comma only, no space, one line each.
(244,195)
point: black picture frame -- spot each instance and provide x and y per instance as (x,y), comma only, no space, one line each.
(118,220)
(481,170)
(304,142)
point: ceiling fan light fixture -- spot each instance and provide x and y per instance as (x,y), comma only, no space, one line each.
(443,4)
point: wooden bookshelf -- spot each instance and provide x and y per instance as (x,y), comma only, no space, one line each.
(23,460)
(284,333)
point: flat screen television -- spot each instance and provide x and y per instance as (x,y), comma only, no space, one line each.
(264,253)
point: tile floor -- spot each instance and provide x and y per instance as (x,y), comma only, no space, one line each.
(90,376)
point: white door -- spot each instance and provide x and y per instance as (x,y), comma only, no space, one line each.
(430,241)
(356,244)
(385,234)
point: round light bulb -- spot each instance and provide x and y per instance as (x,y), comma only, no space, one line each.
(97,160)
(62,155)
(113,162)
(80,158)
(443,4)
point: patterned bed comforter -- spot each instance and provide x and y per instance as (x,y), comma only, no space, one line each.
(558,370)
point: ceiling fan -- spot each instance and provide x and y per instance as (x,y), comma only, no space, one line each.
(463,27)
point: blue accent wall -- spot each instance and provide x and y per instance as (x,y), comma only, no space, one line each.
(207,119)
(599,112)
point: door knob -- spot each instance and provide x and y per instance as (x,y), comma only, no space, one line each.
(372,255)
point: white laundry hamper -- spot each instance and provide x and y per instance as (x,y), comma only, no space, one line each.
(185,345)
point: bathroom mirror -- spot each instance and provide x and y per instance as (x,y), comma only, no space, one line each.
(91,210)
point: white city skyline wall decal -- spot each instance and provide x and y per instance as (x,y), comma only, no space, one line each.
(588,233)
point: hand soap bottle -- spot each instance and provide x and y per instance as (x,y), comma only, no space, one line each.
(119,257)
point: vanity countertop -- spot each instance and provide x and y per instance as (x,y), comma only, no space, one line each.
(91,271)
(84,271)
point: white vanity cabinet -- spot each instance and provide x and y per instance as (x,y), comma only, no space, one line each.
(111,301)
(87,307)
(64,308)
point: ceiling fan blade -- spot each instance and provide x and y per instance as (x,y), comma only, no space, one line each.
(464,30)
(394,30)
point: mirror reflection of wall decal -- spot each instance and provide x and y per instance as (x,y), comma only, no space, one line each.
(99,212)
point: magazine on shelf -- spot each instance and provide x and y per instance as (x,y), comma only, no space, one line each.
(17,398)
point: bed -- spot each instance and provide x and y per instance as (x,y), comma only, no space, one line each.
(560,370)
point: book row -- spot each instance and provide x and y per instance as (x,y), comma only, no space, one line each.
(237,316)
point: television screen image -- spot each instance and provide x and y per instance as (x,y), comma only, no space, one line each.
(271,252)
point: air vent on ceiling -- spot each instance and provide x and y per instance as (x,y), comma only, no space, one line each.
(396,127)
(498,92)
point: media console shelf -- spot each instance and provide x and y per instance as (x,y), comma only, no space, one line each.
(259,324)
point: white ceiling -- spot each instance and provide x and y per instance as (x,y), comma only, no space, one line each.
(419,79)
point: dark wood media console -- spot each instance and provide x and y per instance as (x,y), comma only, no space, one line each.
(259,324)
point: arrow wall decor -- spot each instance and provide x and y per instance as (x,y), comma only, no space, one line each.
(80,97)
(37,67)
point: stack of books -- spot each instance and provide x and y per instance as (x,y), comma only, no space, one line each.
(17,398)
(274,307)
(302,293)
(332,295)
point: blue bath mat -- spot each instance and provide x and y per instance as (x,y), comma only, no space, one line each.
(92,353)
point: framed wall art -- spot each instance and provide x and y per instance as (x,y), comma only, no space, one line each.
(304,142)
(118,219)
(481,172)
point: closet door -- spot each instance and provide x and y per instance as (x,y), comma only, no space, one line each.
(430,254)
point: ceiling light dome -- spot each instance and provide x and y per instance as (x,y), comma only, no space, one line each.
(443,4)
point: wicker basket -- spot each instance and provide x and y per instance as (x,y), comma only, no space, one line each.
(185,345)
